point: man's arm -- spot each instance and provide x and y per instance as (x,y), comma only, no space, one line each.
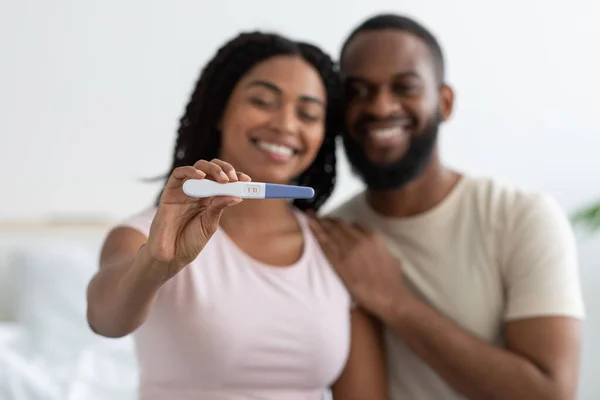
(542,331)
(540,359)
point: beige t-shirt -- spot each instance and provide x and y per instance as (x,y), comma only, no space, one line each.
(487,254)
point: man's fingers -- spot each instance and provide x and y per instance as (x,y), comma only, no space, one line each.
(340,241)
(348,233)
(318,230)
(344,235)
(363,230)
(324,237)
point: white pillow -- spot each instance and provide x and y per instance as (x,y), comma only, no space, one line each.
(51,278)
(7,290)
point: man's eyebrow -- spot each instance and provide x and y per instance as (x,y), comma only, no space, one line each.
(407,74)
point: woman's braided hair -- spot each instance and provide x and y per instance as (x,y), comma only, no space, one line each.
(198,137)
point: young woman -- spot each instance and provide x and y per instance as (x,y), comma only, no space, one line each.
(230,299)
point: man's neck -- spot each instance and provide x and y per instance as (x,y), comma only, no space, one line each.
(418,196)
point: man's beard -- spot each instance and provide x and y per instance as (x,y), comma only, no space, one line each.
(400,172)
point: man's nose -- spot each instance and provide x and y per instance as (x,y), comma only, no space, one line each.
(383,104)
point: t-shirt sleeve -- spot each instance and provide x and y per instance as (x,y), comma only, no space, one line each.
(540,266)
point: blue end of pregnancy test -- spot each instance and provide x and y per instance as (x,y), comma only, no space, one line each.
(275,191)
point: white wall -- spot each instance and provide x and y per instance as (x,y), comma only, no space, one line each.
(91,92)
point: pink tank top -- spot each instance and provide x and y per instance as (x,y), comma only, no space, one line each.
(229,327)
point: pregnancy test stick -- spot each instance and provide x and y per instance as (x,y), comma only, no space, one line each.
(245,190)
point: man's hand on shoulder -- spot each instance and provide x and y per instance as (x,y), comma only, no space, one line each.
(371,273)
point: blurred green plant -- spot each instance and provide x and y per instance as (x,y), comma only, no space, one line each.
(588,217)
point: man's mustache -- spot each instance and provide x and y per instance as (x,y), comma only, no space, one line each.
(366,120)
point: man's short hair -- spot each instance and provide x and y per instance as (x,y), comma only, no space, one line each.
(404,24)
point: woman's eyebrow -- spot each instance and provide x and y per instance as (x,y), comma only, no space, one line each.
(277,89)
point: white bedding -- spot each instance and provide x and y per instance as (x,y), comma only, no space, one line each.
(98,370)
(47,351)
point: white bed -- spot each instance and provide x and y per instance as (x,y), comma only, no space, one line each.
(47,351)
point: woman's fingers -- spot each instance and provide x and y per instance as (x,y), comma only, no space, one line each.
(180,174)
(227,168)
(217,170)
(212,170)
(243,177)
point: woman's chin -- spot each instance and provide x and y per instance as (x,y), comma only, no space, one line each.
(271,174)
(271,178)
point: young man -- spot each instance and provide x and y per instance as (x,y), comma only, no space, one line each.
(476,283)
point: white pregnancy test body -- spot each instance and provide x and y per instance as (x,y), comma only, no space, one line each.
(245,190)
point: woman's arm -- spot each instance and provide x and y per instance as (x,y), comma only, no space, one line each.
(121,293)
(365,373)
(133,267)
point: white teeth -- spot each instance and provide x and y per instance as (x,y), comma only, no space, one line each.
(386,133)
(275,148)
